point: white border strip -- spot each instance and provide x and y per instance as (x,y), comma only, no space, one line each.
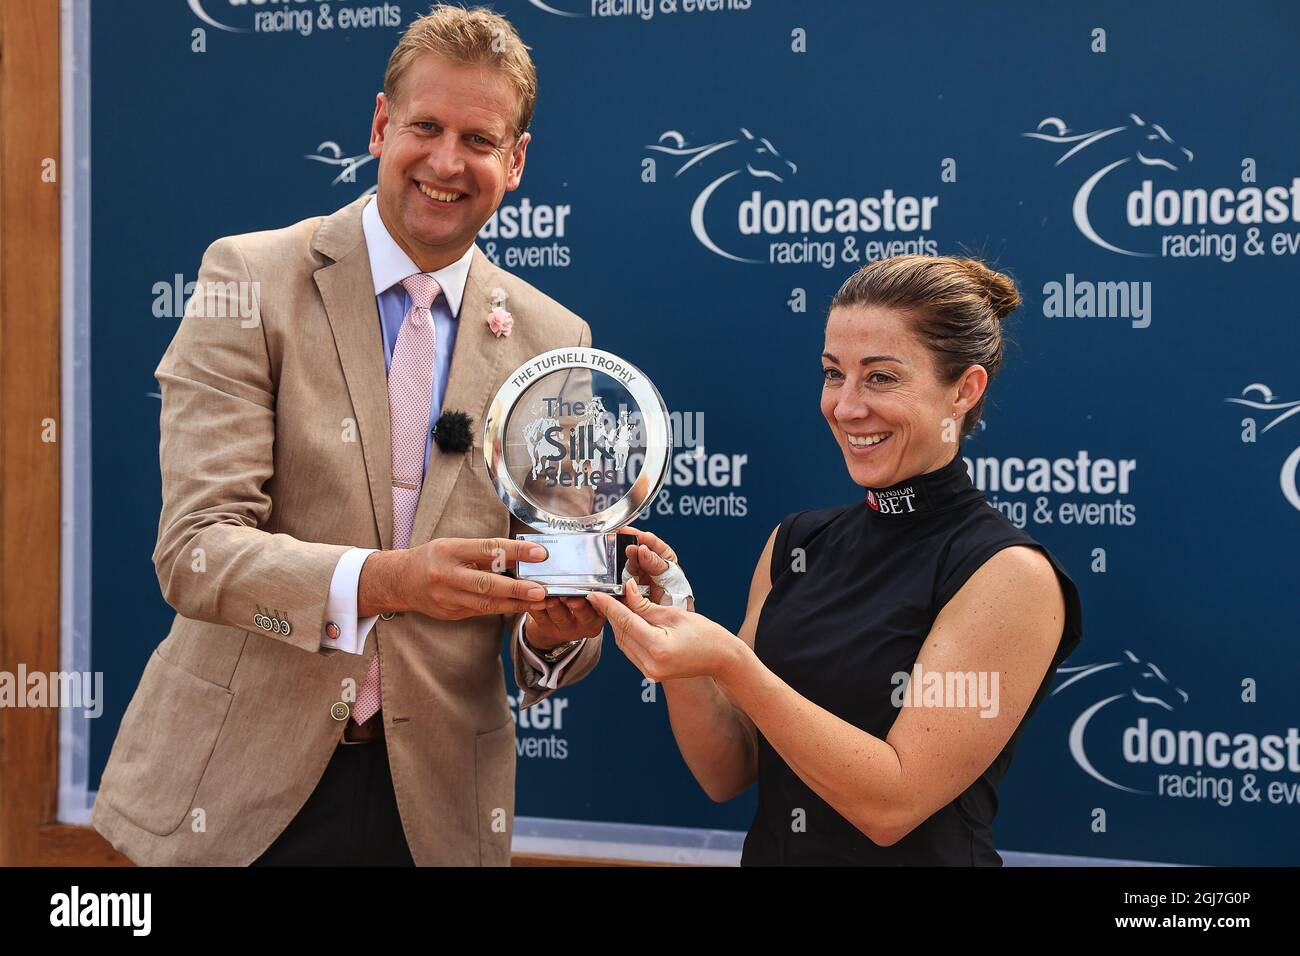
(74,301)
(634,843)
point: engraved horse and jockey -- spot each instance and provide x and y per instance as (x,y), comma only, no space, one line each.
(593,435)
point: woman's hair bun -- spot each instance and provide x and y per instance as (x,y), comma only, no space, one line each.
(998,288)
(955,305)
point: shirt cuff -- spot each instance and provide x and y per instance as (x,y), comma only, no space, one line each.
(548,674)
(342,630)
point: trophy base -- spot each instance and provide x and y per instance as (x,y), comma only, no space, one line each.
(569,590)
(578,563)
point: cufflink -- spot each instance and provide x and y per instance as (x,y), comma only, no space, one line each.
(332,630)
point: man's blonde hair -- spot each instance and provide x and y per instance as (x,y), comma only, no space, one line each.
(474,35)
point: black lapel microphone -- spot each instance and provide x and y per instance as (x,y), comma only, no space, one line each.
(453,432)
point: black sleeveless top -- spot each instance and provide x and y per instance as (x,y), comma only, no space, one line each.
(848,613)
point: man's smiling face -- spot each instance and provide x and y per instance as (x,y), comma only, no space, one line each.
(448,153)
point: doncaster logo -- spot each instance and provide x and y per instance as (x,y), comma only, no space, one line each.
(1148,734)
(747,153)
(1261,397)
(1146,685)
(785,229)
(302,17)
(1146,143)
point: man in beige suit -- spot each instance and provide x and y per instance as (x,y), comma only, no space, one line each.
(263,729)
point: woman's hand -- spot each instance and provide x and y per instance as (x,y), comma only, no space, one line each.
(649,558)
(667,643)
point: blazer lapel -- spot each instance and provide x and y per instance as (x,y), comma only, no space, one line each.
(347,288)
(474,371)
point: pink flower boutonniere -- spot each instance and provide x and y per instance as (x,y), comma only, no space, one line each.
(499,319)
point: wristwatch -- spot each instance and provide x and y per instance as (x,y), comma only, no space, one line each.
(555,653)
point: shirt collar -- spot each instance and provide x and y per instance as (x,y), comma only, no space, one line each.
(389,263)
(938,490)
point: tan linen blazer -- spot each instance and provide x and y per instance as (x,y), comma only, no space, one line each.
(275,457)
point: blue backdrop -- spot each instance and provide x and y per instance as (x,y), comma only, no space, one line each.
(1134,168)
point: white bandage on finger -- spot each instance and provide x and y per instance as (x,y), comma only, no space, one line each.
(676,588)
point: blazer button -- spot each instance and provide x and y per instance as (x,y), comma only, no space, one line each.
(340,710)
(332,630)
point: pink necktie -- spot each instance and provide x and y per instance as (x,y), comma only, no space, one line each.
(410,387)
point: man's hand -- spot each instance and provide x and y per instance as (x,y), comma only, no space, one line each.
(561,621)
(450,579)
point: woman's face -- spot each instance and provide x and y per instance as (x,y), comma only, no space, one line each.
(891,415)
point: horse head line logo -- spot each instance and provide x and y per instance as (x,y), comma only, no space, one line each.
(1052,129)
(1160,693)
(1267,401)
(761,160)
(330,153)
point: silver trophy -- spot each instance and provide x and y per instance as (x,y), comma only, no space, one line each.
(577,442)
